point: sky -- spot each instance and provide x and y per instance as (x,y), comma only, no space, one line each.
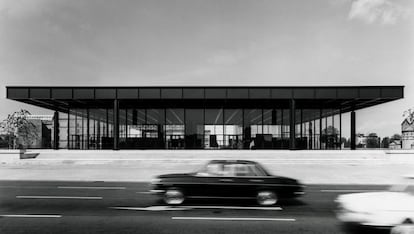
(211,42)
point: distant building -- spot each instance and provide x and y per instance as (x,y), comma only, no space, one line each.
(407,138)
(396,144)
(44,130)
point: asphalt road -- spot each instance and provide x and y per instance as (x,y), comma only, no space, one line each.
(121,207)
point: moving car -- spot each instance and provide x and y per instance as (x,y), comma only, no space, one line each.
(229,179)
(383,209)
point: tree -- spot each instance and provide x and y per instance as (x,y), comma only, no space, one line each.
(409,115)
(395,137)
(372,140)
(385,142)
(21,131)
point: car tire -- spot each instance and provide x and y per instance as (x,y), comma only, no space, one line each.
(174,196)
(266,198)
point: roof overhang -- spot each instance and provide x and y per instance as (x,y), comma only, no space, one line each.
(343,98)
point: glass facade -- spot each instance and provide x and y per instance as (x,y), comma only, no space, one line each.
(86,129)
(209,128)
(204,117)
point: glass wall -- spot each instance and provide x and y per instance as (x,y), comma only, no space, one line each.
(318,129)
(194,128)
(233,129)
(77,120)
(253,128)
(213,129)
(63,130)
(88,129)
(174,129)
(179,128)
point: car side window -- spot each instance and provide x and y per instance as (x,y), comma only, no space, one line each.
(217,169)
(244,170)
(410,189)
(230,170)
(256,171)
(213,169)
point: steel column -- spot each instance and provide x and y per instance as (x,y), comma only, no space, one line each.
(292,118)
(56,130)
(340,129)
(353,133)
(87,128)
(116,125)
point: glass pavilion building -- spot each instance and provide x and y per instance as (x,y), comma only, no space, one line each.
(202,117)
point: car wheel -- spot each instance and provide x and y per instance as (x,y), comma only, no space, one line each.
(174,196)
(266,198)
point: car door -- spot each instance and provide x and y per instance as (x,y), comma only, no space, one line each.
(214,181)
(248,180)
(226,182)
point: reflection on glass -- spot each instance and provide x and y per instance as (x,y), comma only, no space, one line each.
(233,128)
(194,120)
(213,129)
(178,128)
(253,120)
(174,129)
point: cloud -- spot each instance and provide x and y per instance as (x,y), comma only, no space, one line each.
(381,11)
(225,57)
(23,8)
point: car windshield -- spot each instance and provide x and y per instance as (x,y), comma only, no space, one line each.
(407,186)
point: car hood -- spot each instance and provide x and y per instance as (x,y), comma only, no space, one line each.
(374,201)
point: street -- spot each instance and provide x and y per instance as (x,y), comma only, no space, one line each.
(126,207)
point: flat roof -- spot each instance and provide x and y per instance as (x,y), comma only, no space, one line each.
(62,98)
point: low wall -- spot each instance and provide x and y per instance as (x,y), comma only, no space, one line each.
(305,156)
(14,156)
(311,167)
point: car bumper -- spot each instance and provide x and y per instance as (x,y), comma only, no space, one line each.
(157,191)
(362,220)
(299,193)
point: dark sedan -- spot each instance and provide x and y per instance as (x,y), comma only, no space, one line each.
(229,179)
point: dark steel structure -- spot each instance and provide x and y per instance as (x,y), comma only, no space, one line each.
(202,117)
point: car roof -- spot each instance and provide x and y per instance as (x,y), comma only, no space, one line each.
(229,161)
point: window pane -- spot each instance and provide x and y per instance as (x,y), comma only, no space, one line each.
(175,116)
(213,116)
(174,128)
(194,127)
(155,116)
(233,116)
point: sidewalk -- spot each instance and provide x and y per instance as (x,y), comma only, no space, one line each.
(311,167)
